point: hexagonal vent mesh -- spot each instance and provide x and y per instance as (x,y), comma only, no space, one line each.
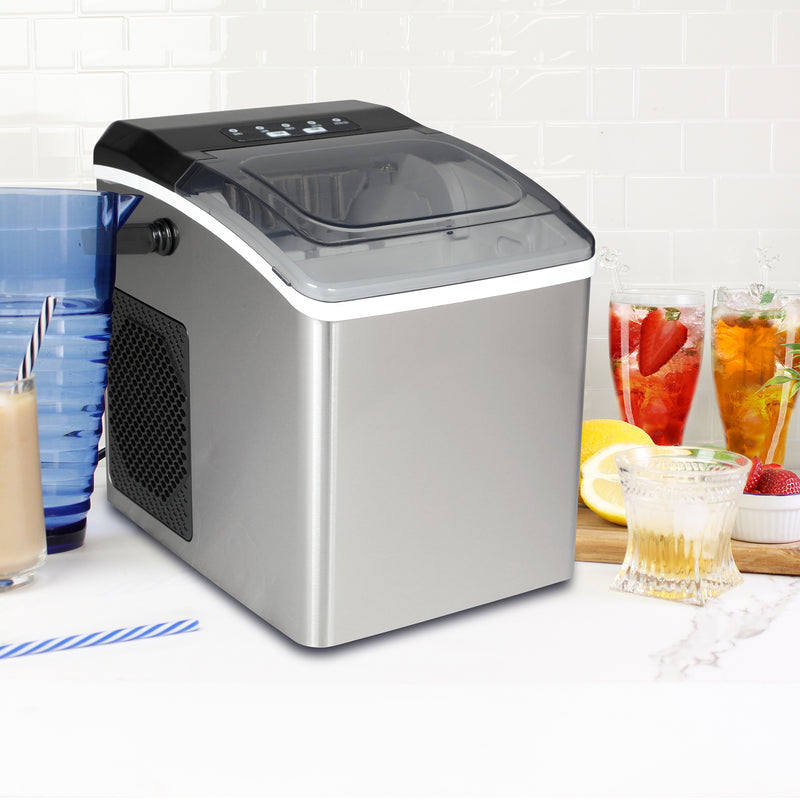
(148,412)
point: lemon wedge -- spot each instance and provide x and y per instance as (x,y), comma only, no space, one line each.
(600,488)
(599,433)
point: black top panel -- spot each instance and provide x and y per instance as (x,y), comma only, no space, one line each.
(270,131)
(163,148)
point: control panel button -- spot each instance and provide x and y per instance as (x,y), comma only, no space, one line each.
(283,129)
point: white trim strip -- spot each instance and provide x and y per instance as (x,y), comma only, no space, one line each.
(352,309)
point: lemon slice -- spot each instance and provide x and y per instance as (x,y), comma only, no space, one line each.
(599,433)
(600,486)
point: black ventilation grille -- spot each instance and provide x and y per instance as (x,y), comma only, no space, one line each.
(148,412)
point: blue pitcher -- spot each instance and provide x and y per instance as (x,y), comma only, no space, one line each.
(62,243)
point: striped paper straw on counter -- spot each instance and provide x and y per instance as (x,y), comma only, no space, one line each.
(45,315)
(101,637)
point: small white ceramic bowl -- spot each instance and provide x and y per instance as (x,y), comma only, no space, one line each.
(768,518)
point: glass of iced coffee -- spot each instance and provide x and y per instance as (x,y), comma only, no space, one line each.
(23,544)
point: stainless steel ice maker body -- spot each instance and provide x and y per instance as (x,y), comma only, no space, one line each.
(350,466)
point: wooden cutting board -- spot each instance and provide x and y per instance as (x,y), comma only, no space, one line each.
(598,540)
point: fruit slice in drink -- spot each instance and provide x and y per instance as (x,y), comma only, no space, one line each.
(655,347)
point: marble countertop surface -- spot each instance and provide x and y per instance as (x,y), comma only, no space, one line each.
(569,691)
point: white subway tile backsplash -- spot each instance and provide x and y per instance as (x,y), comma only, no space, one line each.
(276,40)
(31,7)
(725,38)
(550,94)
(457,94)
(361,37)
(126,7)
(323,5)
(759,201)
(177,32)
(18,90)
(598,324)
(727,147)
(719,256)
(13,43)
(670,126)
(764,92)
(608,202)
(786,146)
(648,255)
(255,88)
(464,39)
(115,60)
(155,94)
(788,37)
(703,425)
(682,5)
(678,93)
(409,6)
(599,403)
(759,5)
(544,39)
(387,86)
(84,98)
(56,153)
(784,246)
(61,42)
(598,369)
(614,147)
(613,93)
(226,6)
(670,203)
(189,41)
(17,154)
(636,39)
(587,5)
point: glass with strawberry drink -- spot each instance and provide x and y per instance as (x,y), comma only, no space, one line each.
(755,335)
(655,338)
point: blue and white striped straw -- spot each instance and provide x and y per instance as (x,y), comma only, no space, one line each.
(101,637)
(45,315)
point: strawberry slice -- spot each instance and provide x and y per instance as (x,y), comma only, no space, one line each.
(754,476)
(659,340)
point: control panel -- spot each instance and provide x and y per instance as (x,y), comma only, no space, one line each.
(281,130)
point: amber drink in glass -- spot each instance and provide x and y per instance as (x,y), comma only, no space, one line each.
(751,327)
(655,337)
(680,503)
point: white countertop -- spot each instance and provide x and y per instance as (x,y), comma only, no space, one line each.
(573,690)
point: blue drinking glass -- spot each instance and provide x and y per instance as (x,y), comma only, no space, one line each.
(62,243)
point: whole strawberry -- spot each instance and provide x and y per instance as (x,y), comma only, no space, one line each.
(776,480)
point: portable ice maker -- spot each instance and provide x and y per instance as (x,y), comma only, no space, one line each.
(350,392)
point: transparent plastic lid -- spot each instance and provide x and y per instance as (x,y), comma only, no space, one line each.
(380,213)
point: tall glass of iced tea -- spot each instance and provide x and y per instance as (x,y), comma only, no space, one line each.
(751,327)
(655,338)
